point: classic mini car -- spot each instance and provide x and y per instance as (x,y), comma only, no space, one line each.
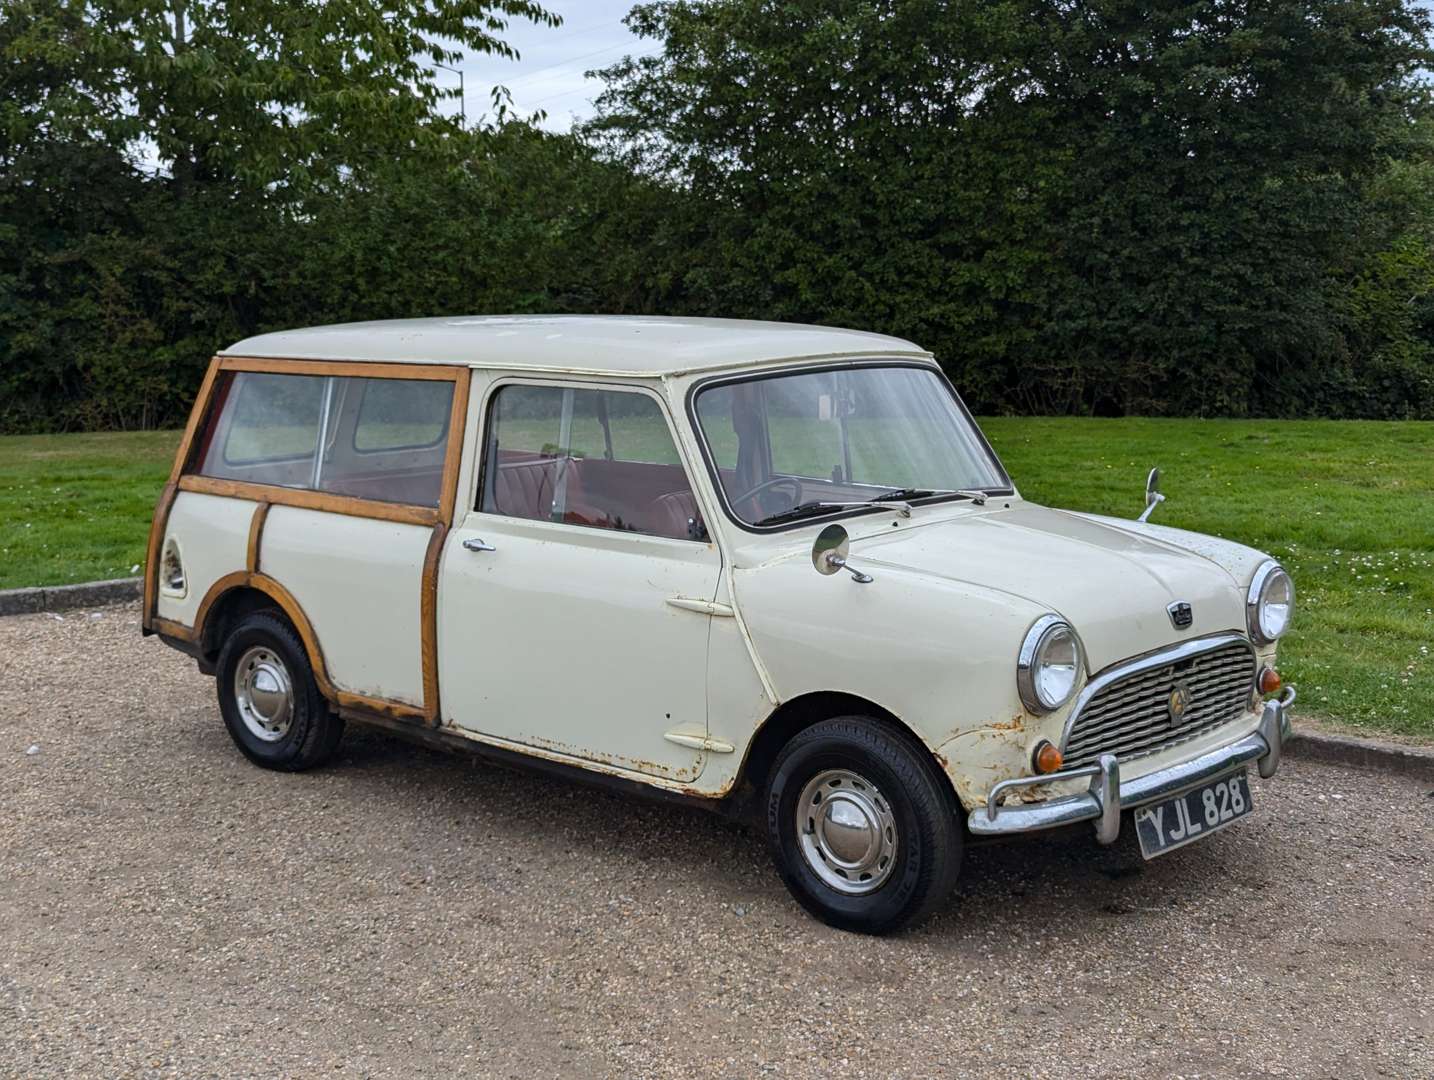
(774,568)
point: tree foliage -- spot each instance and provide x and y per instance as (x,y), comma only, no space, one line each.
(264,92)
(1181,207)
(1103,205)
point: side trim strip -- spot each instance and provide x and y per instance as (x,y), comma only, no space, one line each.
(702,607)
(699,742)
(196,416)
(267,495)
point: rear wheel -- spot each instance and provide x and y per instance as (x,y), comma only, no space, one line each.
(862,826)
(269,698)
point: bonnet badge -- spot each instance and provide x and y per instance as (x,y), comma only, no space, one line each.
(1178,703)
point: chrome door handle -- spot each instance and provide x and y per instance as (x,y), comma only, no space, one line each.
(475,544)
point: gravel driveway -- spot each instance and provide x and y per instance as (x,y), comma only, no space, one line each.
(167,909)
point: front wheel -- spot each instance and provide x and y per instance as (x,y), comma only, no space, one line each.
(269,698)
(862,826)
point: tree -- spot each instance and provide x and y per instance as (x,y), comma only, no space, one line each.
(160,160)
(265,92)
(1092,206)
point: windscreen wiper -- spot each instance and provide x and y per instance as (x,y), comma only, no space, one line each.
(819,507)
(908,493)
(977,497)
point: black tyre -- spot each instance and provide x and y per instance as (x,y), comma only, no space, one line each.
(269,699)
(862,826)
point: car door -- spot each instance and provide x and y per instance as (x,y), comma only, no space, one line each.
(570,611)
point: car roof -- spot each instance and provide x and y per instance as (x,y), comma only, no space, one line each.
(608,344)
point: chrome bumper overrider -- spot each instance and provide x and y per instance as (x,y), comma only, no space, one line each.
(1108,796)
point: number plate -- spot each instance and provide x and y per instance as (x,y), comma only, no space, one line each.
(1193,816)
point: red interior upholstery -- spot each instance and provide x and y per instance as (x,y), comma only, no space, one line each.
(676,514)
(631,496)
(419,487)
(522,485)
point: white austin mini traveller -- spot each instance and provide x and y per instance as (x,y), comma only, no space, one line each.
(770,567)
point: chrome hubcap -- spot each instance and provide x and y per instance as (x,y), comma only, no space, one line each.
(846,831)
(264,694)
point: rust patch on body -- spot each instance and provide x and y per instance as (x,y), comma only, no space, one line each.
(615,761)
(978,760)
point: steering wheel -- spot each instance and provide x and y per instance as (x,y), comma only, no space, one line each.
(771,485)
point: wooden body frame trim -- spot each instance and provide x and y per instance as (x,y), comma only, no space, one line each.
(311,500)
(267,495)
(364,369)
(428,624)
(256,536)
(160,521)
(157,527)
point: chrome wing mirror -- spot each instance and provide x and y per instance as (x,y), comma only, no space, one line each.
(1153,498)
(830,551)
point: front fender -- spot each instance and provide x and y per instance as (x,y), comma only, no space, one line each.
(938,654)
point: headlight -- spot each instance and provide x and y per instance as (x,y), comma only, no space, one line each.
(1049,664)
(1270,602)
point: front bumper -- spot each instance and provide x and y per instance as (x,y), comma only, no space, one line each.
(1108,796)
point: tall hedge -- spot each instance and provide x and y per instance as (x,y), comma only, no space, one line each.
(1187,207)
(1183,206)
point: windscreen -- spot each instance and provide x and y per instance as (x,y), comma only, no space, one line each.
(845,435)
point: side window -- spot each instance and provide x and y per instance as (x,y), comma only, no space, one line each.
(264,429)
(401,414)
(379,439)
(600,458)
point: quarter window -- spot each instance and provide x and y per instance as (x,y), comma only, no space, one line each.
(600,458)
(275,419)
(401,414)
(380,439)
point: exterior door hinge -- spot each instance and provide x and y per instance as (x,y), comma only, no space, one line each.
(702,607)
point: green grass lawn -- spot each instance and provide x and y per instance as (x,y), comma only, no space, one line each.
(1348,507)
(77,507)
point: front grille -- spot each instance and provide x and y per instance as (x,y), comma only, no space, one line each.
(1129,715)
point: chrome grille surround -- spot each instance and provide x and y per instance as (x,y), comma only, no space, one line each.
(1123,710)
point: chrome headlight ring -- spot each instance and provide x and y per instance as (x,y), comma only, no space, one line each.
(1049,664)
(1270,603)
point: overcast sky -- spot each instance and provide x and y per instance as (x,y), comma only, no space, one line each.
(549,74)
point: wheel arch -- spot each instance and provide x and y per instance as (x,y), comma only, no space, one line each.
(799,713)
(236,595)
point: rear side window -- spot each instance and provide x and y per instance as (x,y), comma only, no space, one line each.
(401,414)
(600,458)
(274,418)
(380,439)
